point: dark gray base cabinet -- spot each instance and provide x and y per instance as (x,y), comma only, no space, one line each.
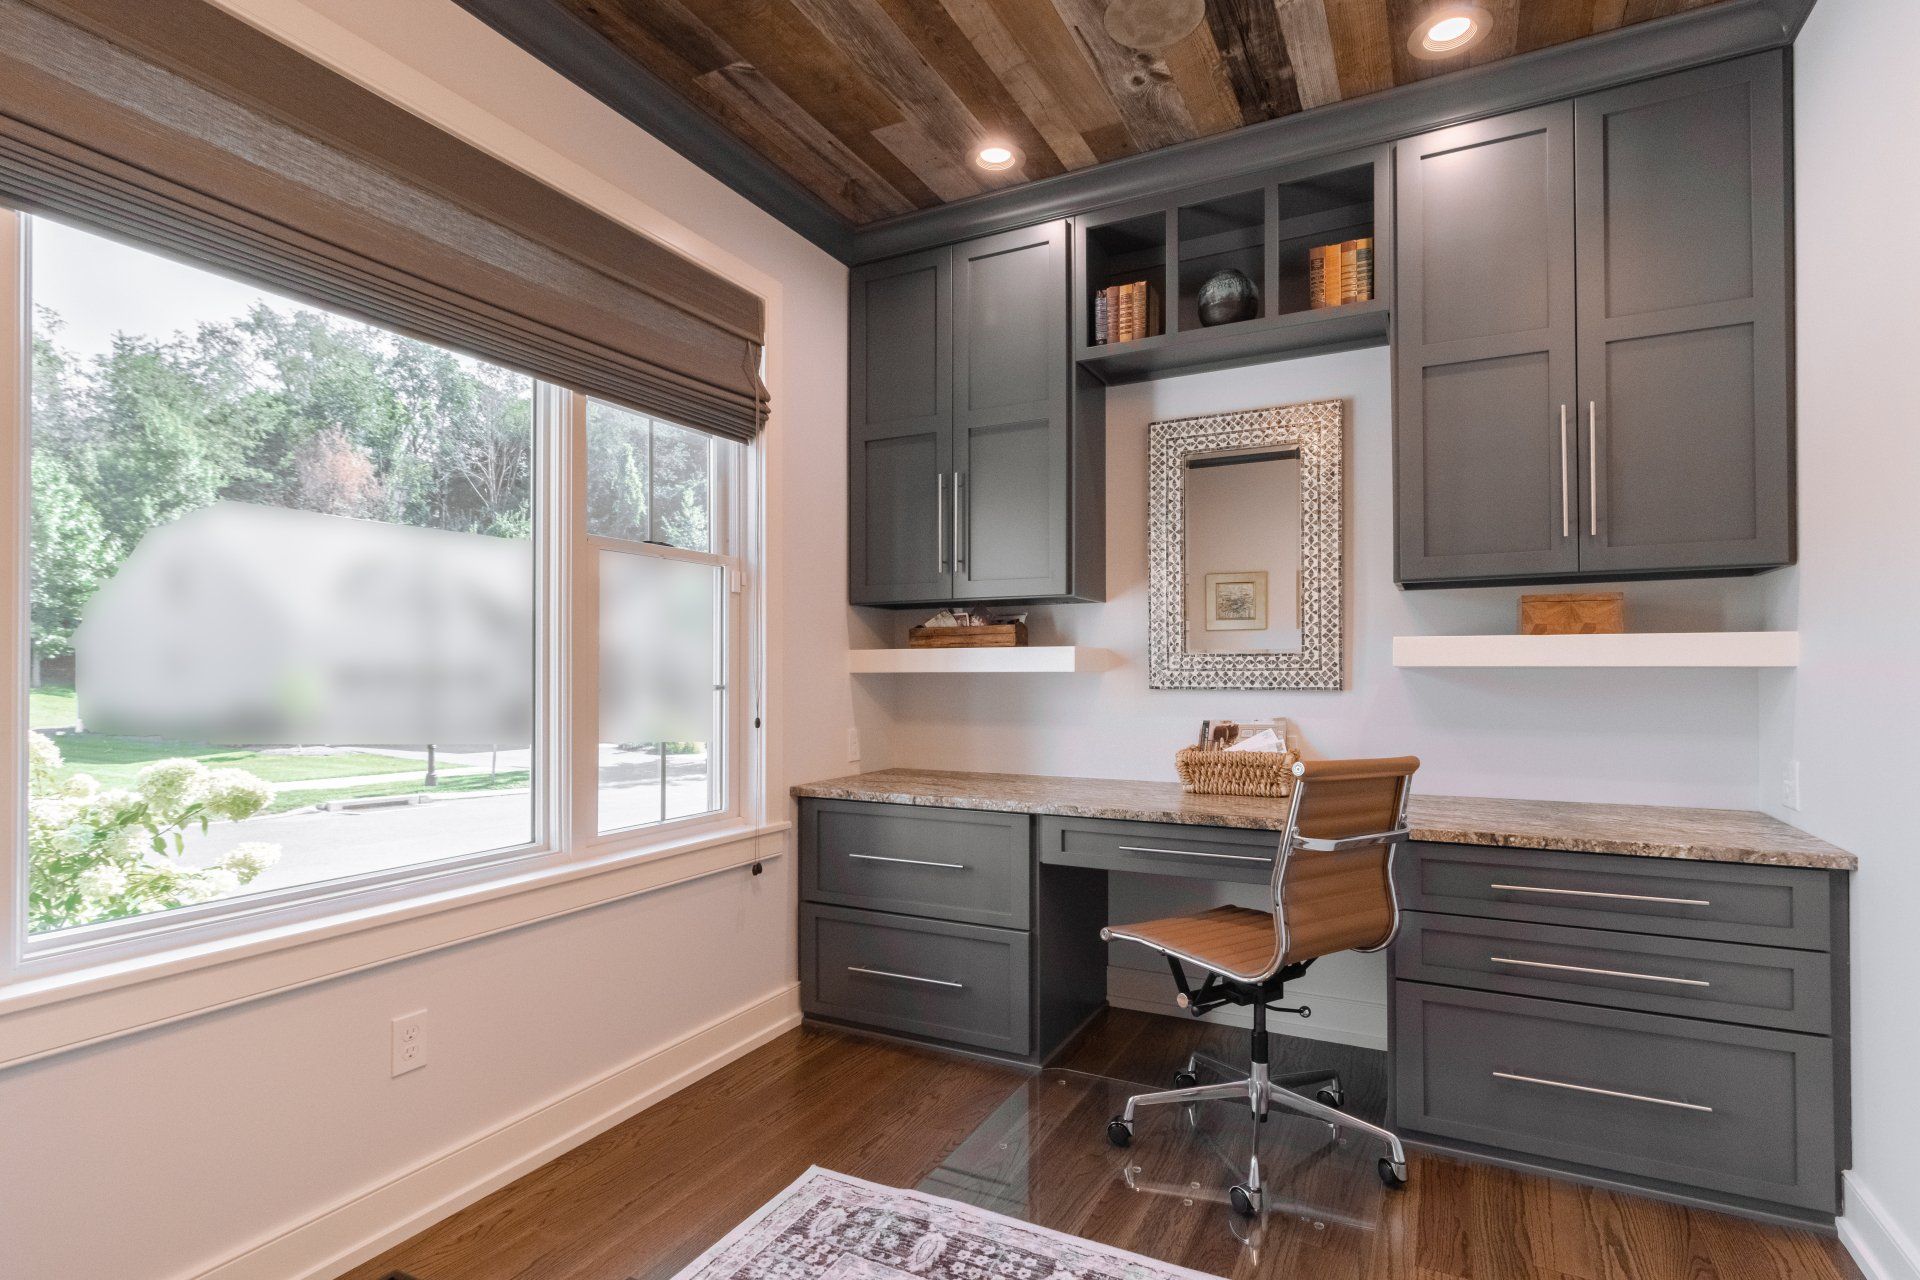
(1592,357)
(1672,1027)
(932,925)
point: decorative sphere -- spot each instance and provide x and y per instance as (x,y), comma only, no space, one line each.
(1228,296)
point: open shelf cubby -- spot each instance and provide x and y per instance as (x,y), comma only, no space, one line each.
(1264,226)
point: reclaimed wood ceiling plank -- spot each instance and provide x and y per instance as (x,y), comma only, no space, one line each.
(861,28)
(1139,83)
(1608,14)
(1544,23)
(778,42)
(677,47)
(1255,53)
(806,148)
(1205,86)
(1503,32)
(1045,35)
(1362,45)
(1023,80)
(953,179)
(955,59)
(1316,70)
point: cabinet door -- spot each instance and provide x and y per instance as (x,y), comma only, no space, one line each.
(1011,428)
(1484,351)
(1684,391)
(900,443)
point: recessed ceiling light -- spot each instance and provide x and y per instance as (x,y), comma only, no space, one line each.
(1448,30)
(996,156)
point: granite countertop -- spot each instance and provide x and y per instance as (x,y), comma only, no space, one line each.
(1645,831)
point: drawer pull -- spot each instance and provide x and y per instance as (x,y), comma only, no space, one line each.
(911,862)
(1605,973)
(905,977)
(1195,853)
(1595,893)
(1605,1093)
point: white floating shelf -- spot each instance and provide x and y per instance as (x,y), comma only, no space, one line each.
(1064,657)
(1647,649)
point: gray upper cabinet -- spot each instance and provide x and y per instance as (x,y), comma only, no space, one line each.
(1485,350)
(1683,321)
(1592,337)
(975,458)
(900,444)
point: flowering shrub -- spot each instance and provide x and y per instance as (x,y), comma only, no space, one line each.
(97,855)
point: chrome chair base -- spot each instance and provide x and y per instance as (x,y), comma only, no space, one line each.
(1261,1092)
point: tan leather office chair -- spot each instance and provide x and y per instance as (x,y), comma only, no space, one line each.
(1332,890)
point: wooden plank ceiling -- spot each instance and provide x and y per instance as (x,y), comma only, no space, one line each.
(877,106)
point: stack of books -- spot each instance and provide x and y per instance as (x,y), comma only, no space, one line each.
(1123,312)
(1340,273)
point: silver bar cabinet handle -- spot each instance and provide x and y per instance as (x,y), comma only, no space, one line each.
(1605,973)
(1595,893)
(1604,1093)
(904,977)
(1566,496)
(911,862)
(940,521)
(1593,468)
(1195,853)
(959,557)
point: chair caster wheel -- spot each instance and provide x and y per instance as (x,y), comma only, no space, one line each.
(1245,1202)
(1185,1079)
(1119,1132)
(1331,1095)
(1394,1176)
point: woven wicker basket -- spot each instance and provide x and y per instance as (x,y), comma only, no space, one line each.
(1235,773)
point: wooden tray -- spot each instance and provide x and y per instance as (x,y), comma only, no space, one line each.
(1005,636)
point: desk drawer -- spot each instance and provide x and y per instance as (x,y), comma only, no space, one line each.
(957,982)
(1727,902)
(1162,848)
(1699,1104)
(948,864)
(1759,986)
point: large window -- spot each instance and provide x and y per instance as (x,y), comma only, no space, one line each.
(293,600)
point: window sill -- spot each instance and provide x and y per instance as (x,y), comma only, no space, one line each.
(43,1016)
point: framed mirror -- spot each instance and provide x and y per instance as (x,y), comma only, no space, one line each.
(1244,575)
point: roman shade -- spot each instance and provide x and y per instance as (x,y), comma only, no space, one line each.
(175,125)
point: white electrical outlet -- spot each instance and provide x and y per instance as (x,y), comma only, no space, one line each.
(409,1042)
(853,745)
(1790,785)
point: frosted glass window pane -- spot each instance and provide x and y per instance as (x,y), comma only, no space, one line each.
(282,580)
(660,657)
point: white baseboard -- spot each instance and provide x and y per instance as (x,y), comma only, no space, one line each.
(1876,1241)
(360,1228)
(1336,1019)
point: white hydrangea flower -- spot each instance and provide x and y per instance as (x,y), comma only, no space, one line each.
(250,859)
(103,880)
(237,794)
(170,786)
(41,753)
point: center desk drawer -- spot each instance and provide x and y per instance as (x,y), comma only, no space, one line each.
(1726,981)
(1726,902)
(957,982)
(1697,1104)
(1161,848)
(950,864)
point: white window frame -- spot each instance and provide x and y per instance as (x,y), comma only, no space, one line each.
(565,843)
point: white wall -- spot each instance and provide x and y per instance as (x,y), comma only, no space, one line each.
(164,1153)
(1653,737)
(1849,714)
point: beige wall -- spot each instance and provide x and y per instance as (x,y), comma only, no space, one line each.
(163,1154)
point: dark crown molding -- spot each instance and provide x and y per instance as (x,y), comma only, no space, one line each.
(1720,31)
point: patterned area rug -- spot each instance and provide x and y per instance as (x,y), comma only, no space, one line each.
(830,1226)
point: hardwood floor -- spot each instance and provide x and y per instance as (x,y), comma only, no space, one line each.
(645,1198)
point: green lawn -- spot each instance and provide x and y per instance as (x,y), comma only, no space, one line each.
(114,762)
(51,706)
(287,798)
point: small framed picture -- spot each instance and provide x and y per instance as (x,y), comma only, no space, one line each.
(1237,601)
